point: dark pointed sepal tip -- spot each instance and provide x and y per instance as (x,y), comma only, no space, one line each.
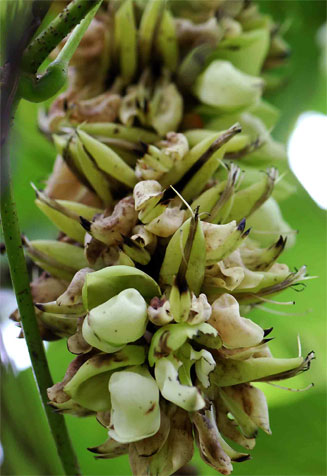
(311,356)
(284,54)
(144,146)
(24,240)
(241,225)
(39,305)
(86,224)
(54,408)
(281,242)
(129,242)
(242,458)
(2,248)
(246,233)
(236,128)
(94,449)
(267,331)
(265,341)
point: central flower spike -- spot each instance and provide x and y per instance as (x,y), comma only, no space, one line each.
(164,193)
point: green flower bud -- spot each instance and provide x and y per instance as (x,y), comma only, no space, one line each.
(126,40)
(120,320)
(86,380)
(135,410)
(261,259)
(249,199)
(93,174)
(226,88)
(107,160)
(63,325)
(246,52)
(111,130)
(65,214)
(267,225)
(59,259)
(167,42)
(266,369)
(108,282)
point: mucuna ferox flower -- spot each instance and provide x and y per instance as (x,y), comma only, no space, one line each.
(155,269)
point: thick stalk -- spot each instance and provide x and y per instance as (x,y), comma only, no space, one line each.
(20,281)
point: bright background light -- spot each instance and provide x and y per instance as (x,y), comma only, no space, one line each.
(307,152)
(15,348)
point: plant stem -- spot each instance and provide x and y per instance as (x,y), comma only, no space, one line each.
(20,281)
(40,48)
(31,59)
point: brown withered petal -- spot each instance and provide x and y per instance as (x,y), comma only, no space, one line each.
(110,230)
(63,184)
(103,418)
(56,393)
(210,448)
(109,449)
(76,343)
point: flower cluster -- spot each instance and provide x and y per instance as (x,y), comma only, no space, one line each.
(156,263)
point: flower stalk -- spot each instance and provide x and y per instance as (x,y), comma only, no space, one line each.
(20,281)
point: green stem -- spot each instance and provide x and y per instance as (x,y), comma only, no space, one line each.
(40,48)
(20,281)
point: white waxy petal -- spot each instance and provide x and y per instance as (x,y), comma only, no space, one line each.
(200,309)
(204,365)
(145,193)
(235,331)
(187,397)
(135,410)
(167,223)
(120,320)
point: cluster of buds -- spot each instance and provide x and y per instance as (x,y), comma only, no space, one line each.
(165,243)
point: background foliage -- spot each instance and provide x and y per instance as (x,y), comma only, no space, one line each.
(298,444)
